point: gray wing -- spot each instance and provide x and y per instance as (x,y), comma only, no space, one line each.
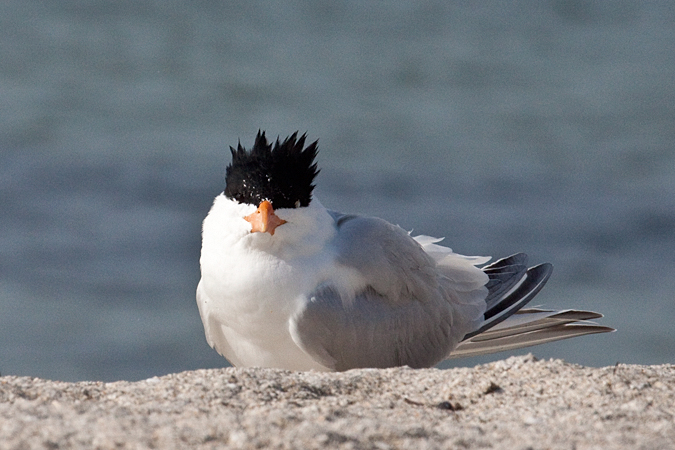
(371,331)
(403,315)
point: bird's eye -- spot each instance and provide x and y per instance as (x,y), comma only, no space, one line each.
(297,203)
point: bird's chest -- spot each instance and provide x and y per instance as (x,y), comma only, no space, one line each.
(255,289)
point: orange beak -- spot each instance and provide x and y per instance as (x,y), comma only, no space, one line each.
(264,220)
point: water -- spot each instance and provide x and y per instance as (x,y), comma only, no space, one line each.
(544,127)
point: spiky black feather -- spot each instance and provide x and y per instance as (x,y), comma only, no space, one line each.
(283,174)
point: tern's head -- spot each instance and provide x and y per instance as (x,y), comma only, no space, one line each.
(272,177)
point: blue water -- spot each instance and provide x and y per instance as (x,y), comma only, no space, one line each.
(539,126)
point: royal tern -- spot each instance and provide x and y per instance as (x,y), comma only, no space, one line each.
(288,284)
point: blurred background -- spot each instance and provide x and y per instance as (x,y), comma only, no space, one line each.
(539,126)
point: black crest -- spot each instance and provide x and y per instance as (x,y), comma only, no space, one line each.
(283,174)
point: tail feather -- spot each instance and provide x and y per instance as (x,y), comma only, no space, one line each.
(531,319)
(507,326)
(530,327)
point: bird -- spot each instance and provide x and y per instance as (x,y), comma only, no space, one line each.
(288,284)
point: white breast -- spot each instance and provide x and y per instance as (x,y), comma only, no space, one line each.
(252,283)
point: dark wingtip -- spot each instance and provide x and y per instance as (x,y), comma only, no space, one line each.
(517,259)
(515,299)
(542,272)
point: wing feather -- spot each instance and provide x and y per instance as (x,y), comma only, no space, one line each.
(416,303)
(409,310)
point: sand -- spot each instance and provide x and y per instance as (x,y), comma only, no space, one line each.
(517,403)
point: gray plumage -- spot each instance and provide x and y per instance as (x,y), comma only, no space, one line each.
(415,310)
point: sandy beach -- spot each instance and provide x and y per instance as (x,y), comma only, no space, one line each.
(516,403)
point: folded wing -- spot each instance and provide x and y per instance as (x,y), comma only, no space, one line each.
(412,302)
(401,312)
